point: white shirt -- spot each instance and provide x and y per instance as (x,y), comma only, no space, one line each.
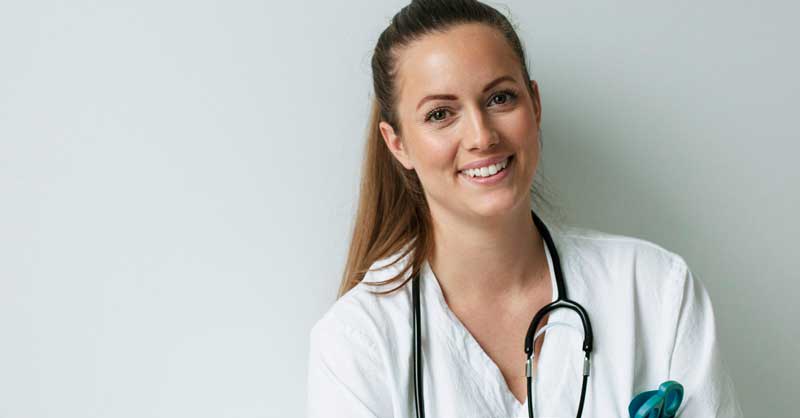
(652,322)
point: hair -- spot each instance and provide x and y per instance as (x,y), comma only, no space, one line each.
(393,216)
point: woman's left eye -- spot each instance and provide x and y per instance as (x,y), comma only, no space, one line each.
(507,93)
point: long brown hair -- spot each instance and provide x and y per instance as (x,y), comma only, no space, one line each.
(393,217)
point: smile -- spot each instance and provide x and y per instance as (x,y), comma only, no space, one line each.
(490,174)
(488,170)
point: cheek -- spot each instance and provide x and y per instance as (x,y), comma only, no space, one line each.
(436,153)
(522,125)
(521,130)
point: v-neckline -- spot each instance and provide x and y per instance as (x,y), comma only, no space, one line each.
(488,364)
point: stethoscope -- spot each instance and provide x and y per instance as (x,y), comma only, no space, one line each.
(560,302)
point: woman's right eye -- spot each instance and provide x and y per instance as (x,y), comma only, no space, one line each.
(439,111)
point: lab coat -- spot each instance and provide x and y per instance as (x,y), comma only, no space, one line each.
(652,320)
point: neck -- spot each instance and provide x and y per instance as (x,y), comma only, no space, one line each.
(498,258)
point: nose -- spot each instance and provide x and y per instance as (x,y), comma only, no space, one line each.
(481,133)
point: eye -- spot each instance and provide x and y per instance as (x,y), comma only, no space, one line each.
(437,111)
(509,94)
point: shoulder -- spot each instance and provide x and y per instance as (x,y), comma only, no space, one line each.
(615,250)
(350,358)
(619,265)
(364,318)
(629,271)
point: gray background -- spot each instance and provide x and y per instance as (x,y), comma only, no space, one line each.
(178,181)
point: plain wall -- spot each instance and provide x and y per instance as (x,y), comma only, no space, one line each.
(178,182)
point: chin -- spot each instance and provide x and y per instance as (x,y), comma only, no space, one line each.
(494,208)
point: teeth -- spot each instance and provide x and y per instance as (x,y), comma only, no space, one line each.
(486,171)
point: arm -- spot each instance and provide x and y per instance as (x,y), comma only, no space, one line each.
(344,374)
(696,362)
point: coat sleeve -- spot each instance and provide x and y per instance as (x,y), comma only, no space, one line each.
(696,361)
(344,374)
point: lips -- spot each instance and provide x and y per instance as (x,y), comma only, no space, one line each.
(491,180)
(485,162)
(487,171)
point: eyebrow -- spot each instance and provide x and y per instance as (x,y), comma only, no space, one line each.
(452,97)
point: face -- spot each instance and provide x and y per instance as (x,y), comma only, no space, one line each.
(462,100)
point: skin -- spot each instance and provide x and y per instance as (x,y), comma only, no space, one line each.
(489,257)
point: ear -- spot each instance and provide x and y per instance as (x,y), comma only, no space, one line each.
(395,145)
(537,103)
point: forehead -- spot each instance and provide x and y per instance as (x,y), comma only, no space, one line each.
(462,59)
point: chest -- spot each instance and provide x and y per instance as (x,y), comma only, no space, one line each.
(501,335)
(624,361)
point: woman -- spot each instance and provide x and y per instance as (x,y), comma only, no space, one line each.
(451,155)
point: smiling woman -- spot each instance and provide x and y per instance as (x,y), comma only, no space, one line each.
(478,108)
(453,149)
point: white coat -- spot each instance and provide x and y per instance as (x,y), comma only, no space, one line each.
(652,321)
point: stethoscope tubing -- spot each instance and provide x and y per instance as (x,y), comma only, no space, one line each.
(561,302)
(419,401)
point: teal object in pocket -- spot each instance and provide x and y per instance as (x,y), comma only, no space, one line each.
(661,403)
